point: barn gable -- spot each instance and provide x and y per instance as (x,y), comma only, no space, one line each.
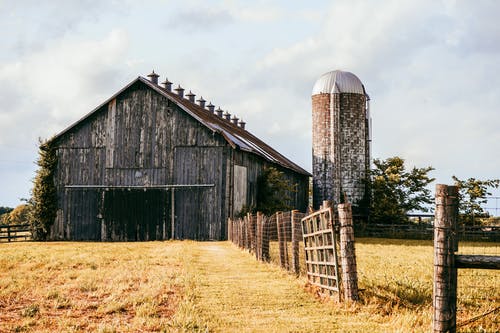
(148,164)
(236,136)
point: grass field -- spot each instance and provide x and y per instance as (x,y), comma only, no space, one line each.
(215,287)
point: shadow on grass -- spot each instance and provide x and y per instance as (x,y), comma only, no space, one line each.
(406,294)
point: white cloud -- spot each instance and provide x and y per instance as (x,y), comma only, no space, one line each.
(429,67)
(59,84)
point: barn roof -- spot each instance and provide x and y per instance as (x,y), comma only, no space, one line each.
(236,136)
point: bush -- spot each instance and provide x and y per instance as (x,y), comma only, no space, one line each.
(43,201)
(19,215)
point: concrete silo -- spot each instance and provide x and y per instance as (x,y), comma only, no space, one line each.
(341,139)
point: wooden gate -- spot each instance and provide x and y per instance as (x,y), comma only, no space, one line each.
(321,250)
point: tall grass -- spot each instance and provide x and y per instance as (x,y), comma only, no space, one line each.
(215,287)
(396,278)
(56,287)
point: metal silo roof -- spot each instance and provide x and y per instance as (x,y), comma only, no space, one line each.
(336,82)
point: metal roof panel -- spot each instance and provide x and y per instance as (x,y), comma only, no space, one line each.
(336,82)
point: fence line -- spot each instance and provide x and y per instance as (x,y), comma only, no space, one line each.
(278,238)
(260,234)
(15,232)
(486,233)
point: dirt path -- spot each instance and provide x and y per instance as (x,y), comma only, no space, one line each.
(235,293)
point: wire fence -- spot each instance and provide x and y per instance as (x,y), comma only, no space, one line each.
(492,205)
(277,238)
(478,291)
(274,238)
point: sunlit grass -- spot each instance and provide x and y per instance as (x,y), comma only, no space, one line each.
(216,287)
(395,278)
(55,287)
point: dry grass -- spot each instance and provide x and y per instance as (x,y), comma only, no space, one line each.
(215,287)
(78,287)
(395,278)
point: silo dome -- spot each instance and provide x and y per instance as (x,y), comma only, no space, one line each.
(337,82)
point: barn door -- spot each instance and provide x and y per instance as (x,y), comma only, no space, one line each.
(198,208)
(240,181)
(82,211)
(135,215)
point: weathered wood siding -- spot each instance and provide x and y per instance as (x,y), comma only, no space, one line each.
(195,207)
(255,165)
(139,139)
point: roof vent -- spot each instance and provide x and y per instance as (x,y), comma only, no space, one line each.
(219,112)
(191,96)
(234,120)
(227,115)
(211,107)
(201,102)
(180,91)
(242,124)
(153,77)
(167,84)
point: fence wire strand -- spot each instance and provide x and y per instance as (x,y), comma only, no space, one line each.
(478,290)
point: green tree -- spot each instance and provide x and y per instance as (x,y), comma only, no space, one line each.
(273,191)
(19,215)
(4,210)
(397,191)
(472,195)
(43,202)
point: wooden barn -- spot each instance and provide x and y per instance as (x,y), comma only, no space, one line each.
(152,164)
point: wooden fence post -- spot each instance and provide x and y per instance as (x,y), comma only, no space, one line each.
(280,239)
(295,242)
(347,253)
(240,230)
(265,237)
(284,234)
(258,237)
(445,273)
(247,233)
(251,228)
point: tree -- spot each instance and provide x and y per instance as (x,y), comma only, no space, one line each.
(273,193)
(43,202)
(396,191)
(18,215)
(4,210)
(4,214)
(472,194)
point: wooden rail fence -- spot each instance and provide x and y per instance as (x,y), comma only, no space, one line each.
(15,232)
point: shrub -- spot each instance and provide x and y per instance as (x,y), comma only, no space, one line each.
(43,200)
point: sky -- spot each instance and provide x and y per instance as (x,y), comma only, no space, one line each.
(431,69)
